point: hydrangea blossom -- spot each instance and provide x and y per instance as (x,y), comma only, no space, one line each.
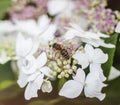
(32,69)
(92,85)
(87,36)
(74,55)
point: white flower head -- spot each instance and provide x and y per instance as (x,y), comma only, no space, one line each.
(90,56)
(86,36)
(93,58)
(33,74)
(92,85)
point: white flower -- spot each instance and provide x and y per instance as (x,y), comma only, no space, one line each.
(46,87)
(6,27)
(4,58)
(59,6)
(117,29)
(87,36)
(23,46)
(92,57)
(41,30)
(30,28)
(92,86)
(33,74)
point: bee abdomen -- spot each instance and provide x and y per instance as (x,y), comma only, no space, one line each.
(65,53)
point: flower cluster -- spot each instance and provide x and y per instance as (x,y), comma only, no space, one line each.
(42,60)
(102,19)
(27,9)
(54,40)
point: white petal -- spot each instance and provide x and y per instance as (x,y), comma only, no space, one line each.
(94,86)
(80,76)
(70,34)
(56,6)
(41,60)
(118,28)
(23,46)
(82,59)
(71,89)
(103,35)
(114,73)
(46,86)
(33,87)
(97,67)
(22,79)
(99,56)
(27,26)
(33,76)
(48,34)
(89,50)
(6,27)
(28,65)
(46,71)
(103,44)
(43,22)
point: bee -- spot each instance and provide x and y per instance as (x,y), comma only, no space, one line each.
(62,50)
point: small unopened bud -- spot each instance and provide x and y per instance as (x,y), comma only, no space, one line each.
(59,62)
(67,75)
(75,62)
(59,76)
(59,70)
(62,74)
(54,73)
(65,62)
(70,71)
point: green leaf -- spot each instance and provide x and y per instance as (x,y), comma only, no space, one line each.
(4,5)
(107,66)
(7,77)
(116,63)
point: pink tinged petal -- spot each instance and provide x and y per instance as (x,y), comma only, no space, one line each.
(23,46)
(46,71)
(33,87)
(80,76)
(82,59)
(22,79)
(99,56)
(71,89)
(97,67)
(41,60)
(94,86)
